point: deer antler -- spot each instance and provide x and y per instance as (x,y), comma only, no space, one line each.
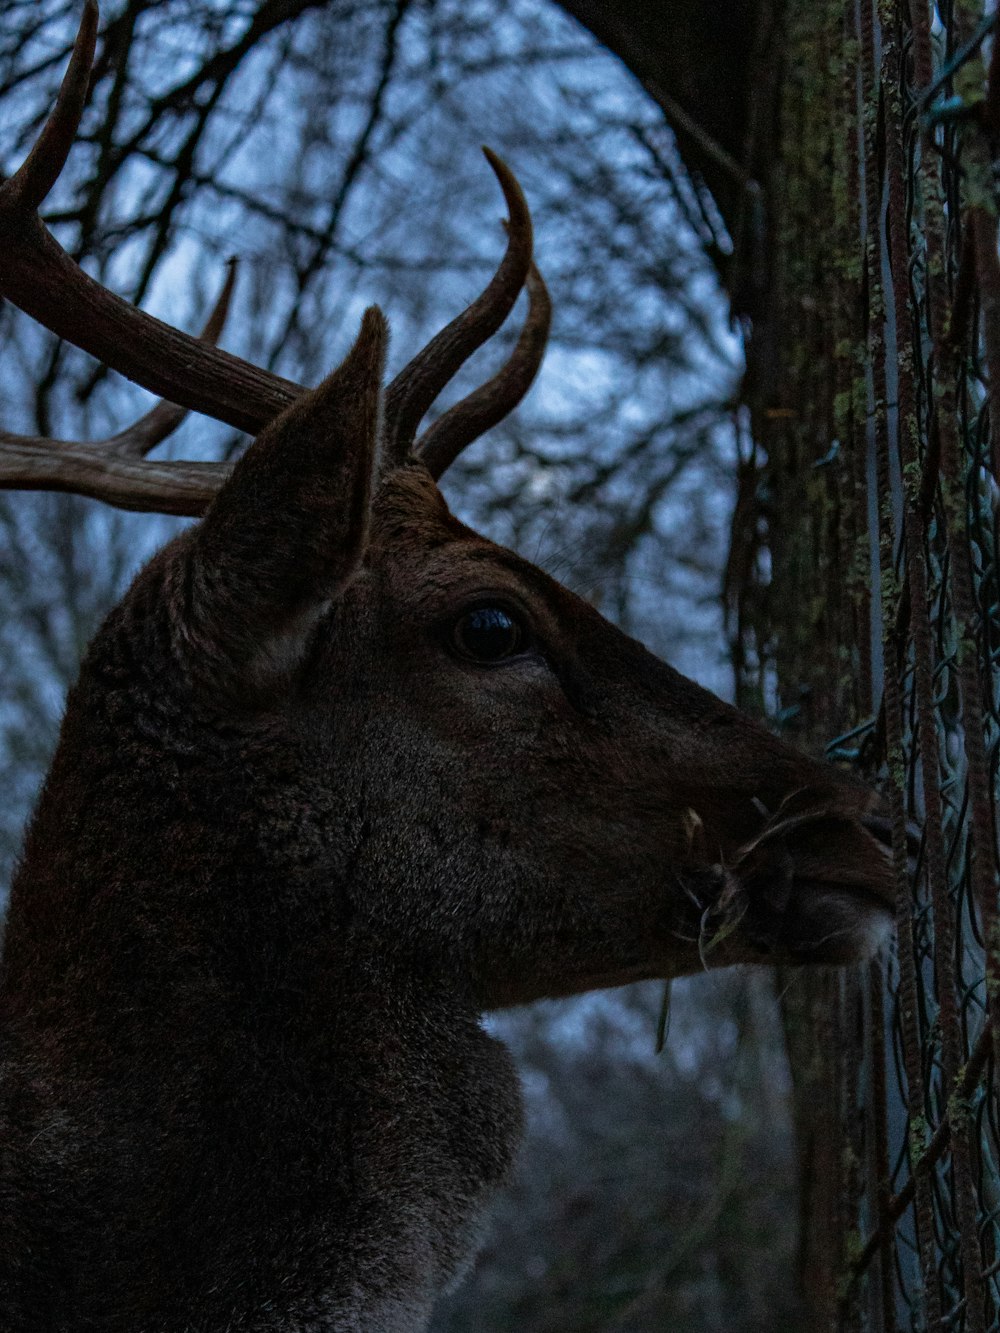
(482,409)
(39,277)
(416,386)
(137,440)
(116,469)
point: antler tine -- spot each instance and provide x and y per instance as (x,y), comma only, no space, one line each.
(482,409)
(152,429)
(418,384)
(39,171)
(39,277)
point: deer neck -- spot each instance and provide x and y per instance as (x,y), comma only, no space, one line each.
(248,1045)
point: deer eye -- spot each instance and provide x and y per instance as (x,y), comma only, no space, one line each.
(487,634)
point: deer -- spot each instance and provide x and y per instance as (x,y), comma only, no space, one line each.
(340,776)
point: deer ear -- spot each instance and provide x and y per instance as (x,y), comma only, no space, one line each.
(288,530)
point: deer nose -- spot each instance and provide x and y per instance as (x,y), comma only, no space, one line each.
(828,844)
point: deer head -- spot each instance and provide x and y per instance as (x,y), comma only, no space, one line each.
(339,774)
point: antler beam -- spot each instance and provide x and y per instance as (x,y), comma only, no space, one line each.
(145,485)
(116,470)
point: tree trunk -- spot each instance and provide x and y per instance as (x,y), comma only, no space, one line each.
(851,153)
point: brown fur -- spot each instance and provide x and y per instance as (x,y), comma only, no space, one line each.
(292,846)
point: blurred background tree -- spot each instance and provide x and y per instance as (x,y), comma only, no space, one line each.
(334,149)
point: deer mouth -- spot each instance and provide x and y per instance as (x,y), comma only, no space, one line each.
(815,885)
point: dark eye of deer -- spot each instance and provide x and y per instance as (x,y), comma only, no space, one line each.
(487,634)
